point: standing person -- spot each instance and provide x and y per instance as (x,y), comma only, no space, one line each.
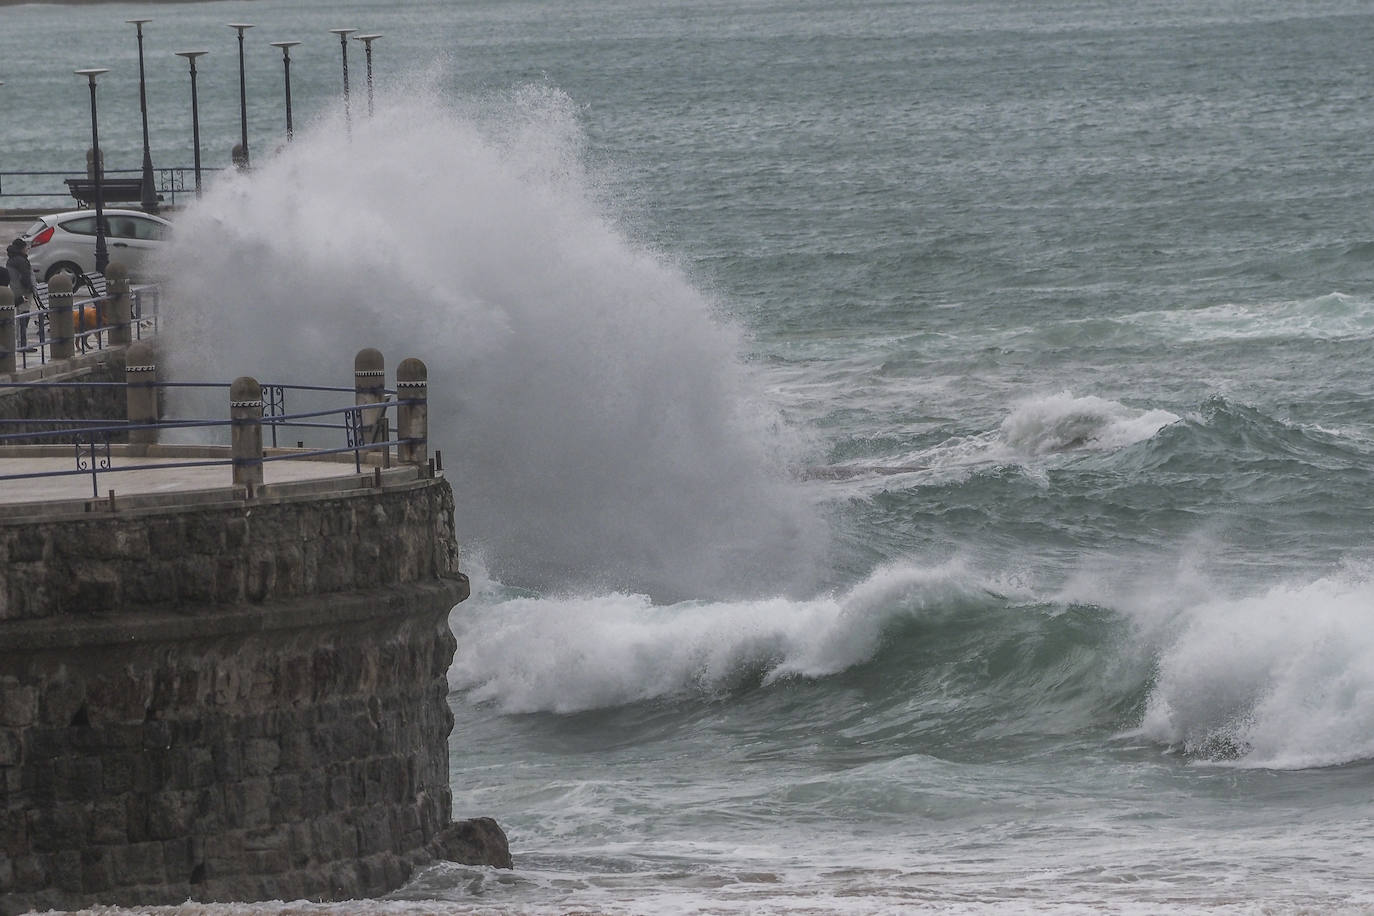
(21,285)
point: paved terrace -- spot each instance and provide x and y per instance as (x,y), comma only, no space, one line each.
(170,476)
(121,467)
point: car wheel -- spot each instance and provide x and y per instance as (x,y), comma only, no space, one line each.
(63,267)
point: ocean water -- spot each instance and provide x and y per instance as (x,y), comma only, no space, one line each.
(910,455)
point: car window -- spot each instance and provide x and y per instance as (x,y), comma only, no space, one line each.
(146,229)
(83,226)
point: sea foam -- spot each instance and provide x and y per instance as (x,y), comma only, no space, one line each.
(1283,678)
(565,654)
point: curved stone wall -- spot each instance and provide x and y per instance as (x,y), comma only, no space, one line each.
(244,700)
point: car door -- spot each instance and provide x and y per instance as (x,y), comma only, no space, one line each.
(132,238)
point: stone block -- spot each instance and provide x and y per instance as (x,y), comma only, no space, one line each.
(118,696)
(195,580)
(95,589)
(14,834)
(139,863)
(57,827)
(152,770)
(261,757)
(274,840)
(62,697)
(248,803)
(286,798)
(77,779)
(18,703)
(223,855)
(117,772)
(109,823)
(97,870)
(170,815)
(65,869)
(236,533)
(198,768)
(178,860)
(11,747)
(30,873)
(302,846)
(166,536)
(204,534)
(228,759)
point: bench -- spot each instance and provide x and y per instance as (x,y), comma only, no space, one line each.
(112,190)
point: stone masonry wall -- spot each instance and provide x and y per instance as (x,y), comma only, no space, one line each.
(237,702)
(94,403)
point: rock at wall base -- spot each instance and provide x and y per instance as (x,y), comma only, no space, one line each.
(477,841)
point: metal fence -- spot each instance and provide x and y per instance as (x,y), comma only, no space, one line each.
(361,427)
(36,188)
(91,321)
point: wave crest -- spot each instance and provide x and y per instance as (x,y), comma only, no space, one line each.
(1284,679)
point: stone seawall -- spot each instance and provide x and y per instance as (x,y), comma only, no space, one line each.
(94,403)
(234,701)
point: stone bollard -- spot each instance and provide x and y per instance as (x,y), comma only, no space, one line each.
(7,330)
(412,420)
(62,336)
(121,306)
(140,386)
(369,386)
(90,162)
(245,410)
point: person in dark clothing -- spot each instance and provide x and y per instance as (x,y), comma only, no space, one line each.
(21,286)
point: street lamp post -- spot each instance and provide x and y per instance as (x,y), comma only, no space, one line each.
(367,41)
(343,46)
(149,196)
(195,110)
(102,254)
(243,97)
(286,47)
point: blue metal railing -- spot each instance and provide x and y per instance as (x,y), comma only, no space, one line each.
(144,316)
(92,443)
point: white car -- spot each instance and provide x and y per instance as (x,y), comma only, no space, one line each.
(65,242)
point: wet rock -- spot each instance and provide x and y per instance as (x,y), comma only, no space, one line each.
(478,841)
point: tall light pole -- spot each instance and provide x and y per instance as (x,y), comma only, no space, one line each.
(102,255)
(243,97)
(343,46)
(286,47)
(367,41)
(149,197)
(195,110)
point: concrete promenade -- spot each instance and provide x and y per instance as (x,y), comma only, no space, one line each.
(158,480)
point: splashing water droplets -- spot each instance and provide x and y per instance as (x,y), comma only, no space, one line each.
(596,420)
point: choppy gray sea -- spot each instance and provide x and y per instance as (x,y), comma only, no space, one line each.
(910,455)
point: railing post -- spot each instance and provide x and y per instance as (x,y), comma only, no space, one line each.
(412,420)
(140,386)
(6,330)
(245,410)
(117,288)
(60,320)
(369,386)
